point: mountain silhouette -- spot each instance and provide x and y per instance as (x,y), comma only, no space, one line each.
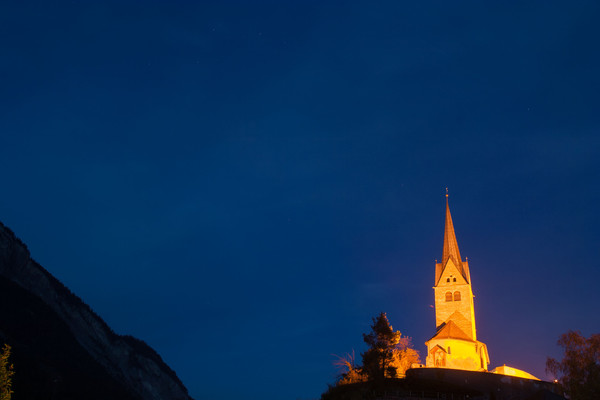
(61,349)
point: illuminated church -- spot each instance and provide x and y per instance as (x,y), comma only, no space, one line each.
(455,343)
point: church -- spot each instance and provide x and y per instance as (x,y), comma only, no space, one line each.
(455,343)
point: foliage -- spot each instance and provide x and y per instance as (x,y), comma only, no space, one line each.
(579,370)
(6,373)
(389,355)
(353,372)
(404,356)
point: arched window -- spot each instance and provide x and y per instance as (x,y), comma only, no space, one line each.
(454,280)
(456,296)
(448,280)
(448,296)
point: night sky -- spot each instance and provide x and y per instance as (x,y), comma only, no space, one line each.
(244,185)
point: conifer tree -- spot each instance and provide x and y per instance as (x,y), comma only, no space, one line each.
(389,355)
(6,373)
(378,360)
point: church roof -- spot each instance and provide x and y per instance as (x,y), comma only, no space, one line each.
(450,250)
(450,330)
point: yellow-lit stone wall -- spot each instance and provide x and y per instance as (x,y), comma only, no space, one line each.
(451,281)
(457,354)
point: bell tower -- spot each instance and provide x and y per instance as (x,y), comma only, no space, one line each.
(453,293)
(455,343)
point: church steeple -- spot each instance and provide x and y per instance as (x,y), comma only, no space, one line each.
(450,243)
(450,249)
(455,343)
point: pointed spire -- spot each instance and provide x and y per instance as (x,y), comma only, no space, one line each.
(450,243)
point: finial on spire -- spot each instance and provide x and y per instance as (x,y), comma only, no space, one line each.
(446,191)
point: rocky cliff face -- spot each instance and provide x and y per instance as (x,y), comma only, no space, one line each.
(129,361)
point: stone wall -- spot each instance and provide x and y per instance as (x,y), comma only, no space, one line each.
(492,386)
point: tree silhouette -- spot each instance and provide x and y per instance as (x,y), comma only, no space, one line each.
(579,370)
(377,360)
(389,354)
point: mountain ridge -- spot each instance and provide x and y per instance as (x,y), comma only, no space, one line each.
(127,360)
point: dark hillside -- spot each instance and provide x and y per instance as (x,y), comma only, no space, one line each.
(47,358)
(62,348)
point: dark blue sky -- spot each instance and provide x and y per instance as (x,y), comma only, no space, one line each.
(243,185)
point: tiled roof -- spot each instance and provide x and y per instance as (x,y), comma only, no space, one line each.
(449,330)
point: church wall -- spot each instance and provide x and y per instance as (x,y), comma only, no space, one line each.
(444,309)
(460,354)
(452,281)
